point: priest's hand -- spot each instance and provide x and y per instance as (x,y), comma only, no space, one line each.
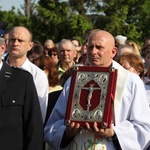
(105,133)
(69,133)
(72,129)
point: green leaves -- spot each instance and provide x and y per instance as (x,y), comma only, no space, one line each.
(73,18)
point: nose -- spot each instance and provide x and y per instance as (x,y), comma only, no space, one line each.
(15,42)
(93,50)
(65,52)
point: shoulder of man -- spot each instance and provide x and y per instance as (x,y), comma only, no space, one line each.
(15,70)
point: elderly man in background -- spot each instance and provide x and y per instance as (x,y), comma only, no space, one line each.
(66,55)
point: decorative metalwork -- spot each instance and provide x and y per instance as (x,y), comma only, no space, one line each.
(100,79)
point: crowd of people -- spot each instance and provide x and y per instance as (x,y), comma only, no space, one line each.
(35,81)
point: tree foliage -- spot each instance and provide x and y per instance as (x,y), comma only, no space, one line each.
(15,19)
(57,19)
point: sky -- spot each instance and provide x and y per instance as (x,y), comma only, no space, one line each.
(7,4)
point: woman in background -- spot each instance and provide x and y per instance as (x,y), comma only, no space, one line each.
(47,64)
(134,63)
(53,53)
(127,48)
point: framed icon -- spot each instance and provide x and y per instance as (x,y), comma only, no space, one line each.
(91,97)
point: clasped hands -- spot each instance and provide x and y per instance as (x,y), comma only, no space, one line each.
(74,128)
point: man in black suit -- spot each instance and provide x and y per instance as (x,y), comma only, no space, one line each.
(21,126)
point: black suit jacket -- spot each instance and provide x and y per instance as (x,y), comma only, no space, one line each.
(21,126)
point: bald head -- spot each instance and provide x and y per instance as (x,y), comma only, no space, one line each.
(22,30)
(101,48)
(106,35)
(19,43)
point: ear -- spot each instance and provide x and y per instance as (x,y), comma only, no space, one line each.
(30,45)
(114,51)
(3,48)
